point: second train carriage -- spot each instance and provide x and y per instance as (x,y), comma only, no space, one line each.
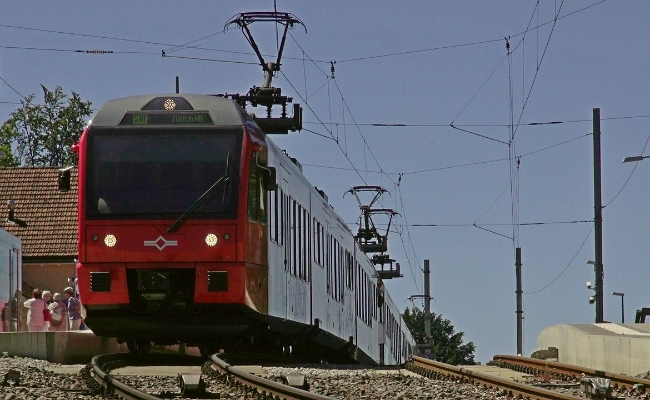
(195,227)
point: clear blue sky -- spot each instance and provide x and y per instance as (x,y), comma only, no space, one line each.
(426,65)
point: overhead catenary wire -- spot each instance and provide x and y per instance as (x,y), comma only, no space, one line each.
(12,88)
(330,78)
(577,221)
(530,90)
(175,47)
(568,264)
(446,125)
(480,42)
(457,165)
(324,126)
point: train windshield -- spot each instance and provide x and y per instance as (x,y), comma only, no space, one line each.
(159,174)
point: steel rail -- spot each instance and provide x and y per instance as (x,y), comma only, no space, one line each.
(574,371)
(112,385)
(434,369)
(267,388)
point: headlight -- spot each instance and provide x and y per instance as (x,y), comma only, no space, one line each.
(211,239)
(110,240)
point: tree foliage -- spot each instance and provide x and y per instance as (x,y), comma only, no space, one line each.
(41,135)
(447,344)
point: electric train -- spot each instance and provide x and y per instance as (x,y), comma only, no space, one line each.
(195,227)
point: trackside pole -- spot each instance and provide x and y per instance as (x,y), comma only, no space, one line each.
(427,306)
(598,219)
(428,339)
(520,311)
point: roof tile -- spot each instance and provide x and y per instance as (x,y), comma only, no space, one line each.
(50,215)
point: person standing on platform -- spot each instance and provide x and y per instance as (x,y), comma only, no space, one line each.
(47,296)
(59,313)
(36,305)
(74,309)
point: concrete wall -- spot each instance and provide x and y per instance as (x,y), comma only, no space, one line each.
(58,347)
(72,347)
(618,353)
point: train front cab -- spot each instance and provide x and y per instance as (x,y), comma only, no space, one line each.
(206,279)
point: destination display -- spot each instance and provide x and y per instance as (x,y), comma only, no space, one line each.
(167,118)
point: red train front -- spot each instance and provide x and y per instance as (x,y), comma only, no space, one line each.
(172,234)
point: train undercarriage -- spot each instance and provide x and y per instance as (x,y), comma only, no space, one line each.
(224,328)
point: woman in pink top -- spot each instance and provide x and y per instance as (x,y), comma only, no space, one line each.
(36,305)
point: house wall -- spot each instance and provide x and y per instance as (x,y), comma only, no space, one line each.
(46,276)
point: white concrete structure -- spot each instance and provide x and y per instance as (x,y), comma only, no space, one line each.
(618,348)
(10,280)
(71,347)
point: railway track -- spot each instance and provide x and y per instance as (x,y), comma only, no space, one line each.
(436,370)
(568,372)
(220,379)
(225,378)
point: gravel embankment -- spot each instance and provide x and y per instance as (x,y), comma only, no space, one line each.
(39,380)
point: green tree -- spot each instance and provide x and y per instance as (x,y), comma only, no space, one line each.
(447,345)
(41,135)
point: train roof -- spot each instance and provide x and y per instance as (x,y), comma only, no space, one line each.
(224,112)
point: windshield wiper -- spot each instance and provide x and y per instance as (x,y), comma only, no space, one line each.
(202,200)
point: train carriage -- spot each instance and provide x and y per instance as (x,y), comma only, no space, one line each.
(195,227)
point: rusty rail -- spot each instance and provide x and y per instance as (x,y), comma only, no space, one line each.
(573,371)
(266,388)
(109,385)
(434,369)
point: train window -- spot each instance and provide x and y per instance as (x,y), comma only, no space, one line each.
(253,196)
(301,244)
(316,233)
(284,207)
(273,215)
(307,243)
(322,245)
(374,301)
(294,239)
(348,269)
(142,172)
(358,290)
(333,265)
(370,295)
(256,194)
(262,193)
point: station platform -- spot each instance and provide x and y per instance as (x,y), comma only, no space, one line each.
(618,348)
(71,347)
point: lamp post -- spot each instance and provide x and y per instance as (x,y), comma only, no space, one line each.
(634,158)
(622,296)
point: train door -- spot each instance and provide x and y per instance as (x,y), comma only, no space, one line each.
(318,282)
(297,277)
(381,325)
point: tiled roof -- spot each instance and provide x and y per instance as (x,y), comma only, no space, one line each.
(50,215)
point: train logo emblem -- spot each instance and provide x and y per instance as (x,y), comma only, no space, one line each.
(160,243)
